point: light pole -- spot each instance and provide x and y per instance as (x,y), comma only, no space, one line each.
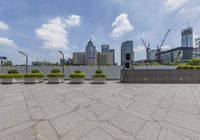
(63,57)
(98,54)
(26,60)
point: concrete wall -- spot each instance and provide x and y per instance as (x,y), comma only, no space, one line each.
(160,76)
(153,67)
(112,72)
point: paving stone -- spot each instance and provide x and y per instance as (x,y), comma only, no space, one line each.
(168,135)
(98,108)
(26,134)
(87,114)
(32,103)
(36,113)
(45,131)
(115,132)
(67,122)
(127,122)
(159,114)
(55,110)
(97,134)
(47,100)
(150,131)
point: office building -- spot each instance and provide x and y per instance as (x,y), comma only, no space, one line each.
(63,61)
(187,37)
(197,43)
(152,55)
(127,54)
(90,50)
(181,53)
(105,59)
(3,60)
(112,51)
(79,58)
(104,48)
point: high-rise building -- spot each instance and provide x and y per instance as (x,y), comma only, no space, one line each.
(113,55)
(152,55)
(187,37)
(197,43)
(90,54)
(127,54)
(104,48)
(79,58)
(105,59)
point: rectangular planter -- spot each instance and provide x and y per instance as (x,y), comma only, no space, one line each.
(55,80)
(32,80)
(172,76)
(99,80)
(11,80)
(76,80)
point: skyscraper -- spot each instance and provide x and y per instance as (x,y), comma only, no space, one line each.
(104,48)
(127,54)
(197,43)
(90,54)
(113,54)
(187,37)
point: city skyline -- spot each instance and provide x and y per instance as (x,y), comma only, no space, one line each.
(31,26)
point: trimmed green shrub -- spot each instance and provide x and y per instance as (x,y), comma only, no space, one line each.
(78,71)
(99,74)
(35,71)
(55,71)
(56,75)
(197,67)
(179,67)
(12,71)
(191,67)
(11,76)
(77,74)
(34,75)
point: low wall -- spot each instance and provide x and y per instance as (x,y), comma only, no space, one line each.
(160,76)
(112,72)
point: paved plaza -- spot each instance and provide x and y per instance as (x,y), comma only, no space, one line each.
(113,111)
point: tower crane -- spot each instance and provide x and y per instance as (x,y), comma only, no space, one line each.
(159,47)
(147,47)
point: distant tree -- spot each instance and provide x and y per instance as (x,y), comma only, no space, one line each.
(194,62)
(8,63)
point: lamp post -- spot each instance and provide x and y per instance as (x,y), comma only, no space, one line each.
(98,54)
(26,60)
(63,60)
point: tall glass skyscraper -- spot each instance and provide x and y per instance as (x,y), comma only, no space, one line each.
(127,54)
(104,48)
(187,37)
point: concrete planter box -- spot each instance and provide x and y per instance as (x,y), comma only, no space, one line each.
(99,80)
(55,80)
(11,80)
(77,80)
(161,76)
(32,80)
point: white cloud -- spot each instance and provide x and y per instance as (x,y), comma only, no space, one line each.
(166,47)
(121,25)
(3,26)
(139,49)
(55,32)
(7,42)
(174,4)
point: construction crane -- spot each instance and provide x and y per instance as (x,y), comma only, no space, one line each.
(159,47)
(147,47)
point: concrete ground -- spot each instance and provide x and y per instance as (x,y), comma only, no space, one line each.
(112,111)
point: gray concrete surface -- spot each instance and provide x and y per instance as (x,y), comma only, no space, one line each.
(112,111)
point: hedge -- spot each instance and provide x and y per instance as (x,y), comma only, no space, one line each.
(77,74)
(35,71)
(11,76)
(12,71)
(55,71)
(34,75)
(56,75)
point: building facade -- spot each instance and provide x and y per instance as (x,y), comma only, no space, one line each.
(152,55)
(127,54)
(104,48)
(91,54)
(112,51)
(3,60)
(105,59)
(79,58)
(181,54)
(187,37)
(197,43)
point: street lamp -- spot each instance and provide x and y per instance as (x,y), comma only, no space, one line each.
(62,60)
(26,60)
(98,55)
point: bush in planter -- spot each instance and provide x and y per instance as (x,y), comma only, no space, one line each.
(34,75)
(55,71)
(35,71)
(99,74)
(12,71)
(11,76)
(77,74)
(197,67)
(56,75)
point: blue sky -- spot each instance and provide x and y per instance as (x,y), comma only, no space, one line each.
(42,27)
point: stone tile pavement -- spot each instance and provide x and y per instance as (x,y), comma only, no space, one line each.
(112,111)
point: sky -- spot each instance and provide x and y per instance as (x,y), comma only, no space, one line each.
(41,28)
